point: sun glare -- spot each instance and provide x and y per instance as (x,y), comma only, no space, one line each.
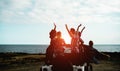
(67,39)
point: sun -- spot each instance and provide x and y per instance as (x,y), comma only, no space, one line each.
(66,38)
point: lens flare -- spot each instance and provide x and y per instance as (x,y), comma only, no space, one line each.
(66,38)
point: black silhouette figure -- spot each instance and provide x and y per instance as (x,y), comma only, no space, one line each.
(61,63)
(50,49)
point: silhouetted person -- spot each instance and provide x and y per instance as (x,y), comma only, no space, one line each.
(79,57)
(60,61)
(50,49)
(93,52)
(96,54)
(81,47)
(75,41)
(59,43)
(92,55)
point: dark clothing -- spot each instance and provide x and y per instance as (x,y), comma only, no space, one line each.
(50,52)
(49,55)
(90,54)
(61,64)
(58,46)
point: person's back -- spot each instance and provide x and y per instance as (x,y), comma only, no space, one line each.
(60,61)
(59,43)
(93,53)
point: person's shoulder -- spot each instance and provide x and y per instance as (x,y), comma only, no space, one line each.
(94,49)
(85,45)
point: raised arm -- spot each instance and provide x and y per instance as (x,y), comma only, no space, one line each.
(68,30)
(77,32)
(78,27)
(82,30)
(54,26)
(100,55)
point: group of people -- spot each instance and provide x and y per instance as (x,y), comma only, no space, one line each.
(80,53)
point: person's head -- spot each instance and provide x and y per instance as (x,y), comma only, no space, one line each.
(91,43)
(52,34)
(72,30)
(58,34)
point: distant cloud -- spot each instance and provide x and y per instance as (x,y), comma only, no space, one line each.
(62,11)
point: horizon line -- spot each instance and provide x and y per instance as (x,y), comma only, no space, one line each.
(49,44)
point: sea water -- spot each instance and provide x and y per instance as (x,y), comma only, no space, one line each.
(42,48)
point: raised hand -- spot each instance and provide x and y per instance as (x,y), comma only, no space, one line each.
(78,27)
(54,26)
(66,25)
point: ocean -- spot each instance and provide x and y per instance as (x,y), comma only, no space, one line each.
(42,48)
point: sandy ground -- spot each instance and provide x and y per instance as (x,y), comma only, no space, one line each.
(33,62)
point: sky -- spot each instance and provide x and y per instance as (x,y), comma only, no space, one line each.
(30,21)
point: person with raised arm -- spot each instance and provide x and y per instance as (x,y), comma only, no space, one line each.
(74,35)
(74,43)
(80,41)
(50,49)
(79,34)
(60,62)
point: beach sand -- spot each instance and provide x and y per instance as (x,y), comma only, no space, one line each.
(33,62)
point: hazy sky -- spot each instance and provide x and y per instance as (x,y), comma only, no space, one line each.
(30,21)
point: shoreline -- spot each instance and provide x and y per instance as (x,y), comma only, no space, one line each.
(33,62)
